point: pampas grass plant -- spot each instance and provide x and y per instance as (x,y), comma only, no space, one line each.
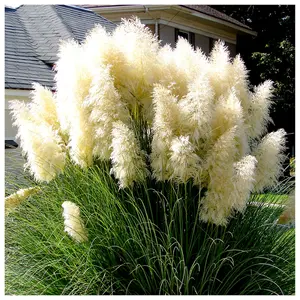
(148,161)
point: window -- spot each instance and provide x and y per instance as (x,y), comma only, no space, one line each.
(189,36)
(184,34)
(212,43)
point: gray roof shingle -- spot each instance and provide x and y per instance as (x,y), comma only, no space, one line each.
(70,16)
(32,36)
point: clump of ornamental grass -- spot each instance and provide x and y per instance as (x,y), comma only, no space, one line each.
(146,157)
(149,241)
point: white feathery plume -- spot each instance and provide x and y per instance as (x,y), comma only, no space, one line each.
(217,203)
(14,200)
(73,223)
(167,124)
(220,69)
(269,155)
(106,108)
(66,72)
(240,82)
(197,108)
(184,162)
(173,77)
(228,113)
(243,180)
(73,84)
(128,161)
(258,118)
(43,106)
(44,148)
(100,50)
(141,69)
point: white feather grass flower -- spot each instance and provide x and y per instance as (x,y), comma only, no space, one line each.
(66,67)
(244,179)
(44,148)
(106,107)
(168,123)
(258,118)
(100,49)
(172,77)
(228,113)
(14,200)
(187,60)
(269,155)
(73,223)
(240,82)
(141,68)
(197,108)
(217,203)
(220,69)
(43,106)
(184,162)
(73,83)
(180,66)
(128,161)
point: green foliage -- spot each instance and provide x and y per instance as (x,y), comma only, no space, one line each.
(292,166)
(140,243)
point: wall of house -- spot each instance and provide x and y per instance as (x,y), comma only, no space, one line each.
(151,27)
(202,42)
(231,48)
(167,35)
(10,130)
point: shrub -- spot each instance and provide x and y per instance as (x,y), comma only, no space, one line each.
(154,153)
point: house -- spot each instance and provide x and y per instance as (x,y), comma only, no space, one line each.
(201,25)
(32,36)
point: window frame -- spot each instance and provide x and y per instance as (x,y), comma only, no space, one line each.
(191,36)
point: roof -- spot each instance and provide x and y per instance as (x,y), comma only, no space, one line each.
(32,36)
(205,9)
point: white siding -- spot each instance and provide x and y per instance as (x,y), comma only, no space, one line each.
(11,131)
